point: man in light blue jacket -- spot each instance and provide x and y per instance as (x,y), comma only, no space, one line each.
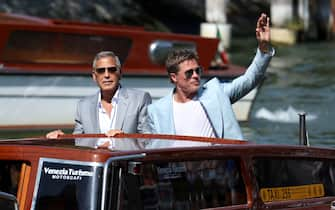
(206,110)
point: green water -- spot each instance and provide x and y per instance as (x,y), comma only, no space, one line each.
(301,78)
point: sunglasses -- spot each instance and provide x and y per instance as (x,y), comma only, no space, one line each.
(189,73)
(103,70)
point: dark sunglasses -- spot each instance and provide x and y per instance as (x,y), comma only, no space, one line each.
(189,73)
(103,70)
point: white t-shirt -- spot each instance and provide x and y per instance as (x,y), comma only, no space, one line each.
(190,119)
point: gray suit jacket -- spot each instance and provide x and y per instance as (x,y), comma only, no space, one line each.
(131,117)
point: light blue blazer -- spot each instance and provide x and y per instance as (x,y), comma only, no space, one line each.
(216,99)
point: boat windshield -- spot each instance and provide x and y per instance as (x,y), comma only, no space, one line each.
(190,184)
(65,184)
(283,179)
(40,47)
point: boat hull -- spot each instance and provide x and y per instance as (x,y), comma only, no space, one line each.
(49,101)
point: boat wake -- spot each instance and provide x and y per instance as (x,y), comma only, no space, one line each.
(290,115)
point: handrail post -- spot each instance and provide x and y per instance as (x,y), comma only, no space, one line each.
(302,129)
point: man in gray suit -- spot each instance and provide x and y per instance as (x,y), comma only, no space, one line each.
(114,109)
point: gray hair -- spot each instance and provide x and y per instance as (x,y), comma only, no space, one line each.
(104,54)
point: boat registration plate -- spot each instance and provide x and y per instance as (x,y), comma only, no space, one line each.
(292,192)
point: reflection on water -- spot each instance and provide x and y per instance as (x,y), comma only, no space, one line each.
(288,115)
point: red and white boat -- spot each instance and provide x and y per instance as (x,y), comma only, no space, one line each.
(45,66)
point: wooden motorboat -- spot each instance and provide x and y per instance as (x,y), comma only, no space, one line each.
(45,66)
(230,174)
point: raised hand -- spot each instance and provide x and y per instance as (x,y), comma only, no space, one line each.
(263,32)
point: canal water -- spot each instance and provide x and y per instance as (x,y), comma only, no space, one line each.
(301,78)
